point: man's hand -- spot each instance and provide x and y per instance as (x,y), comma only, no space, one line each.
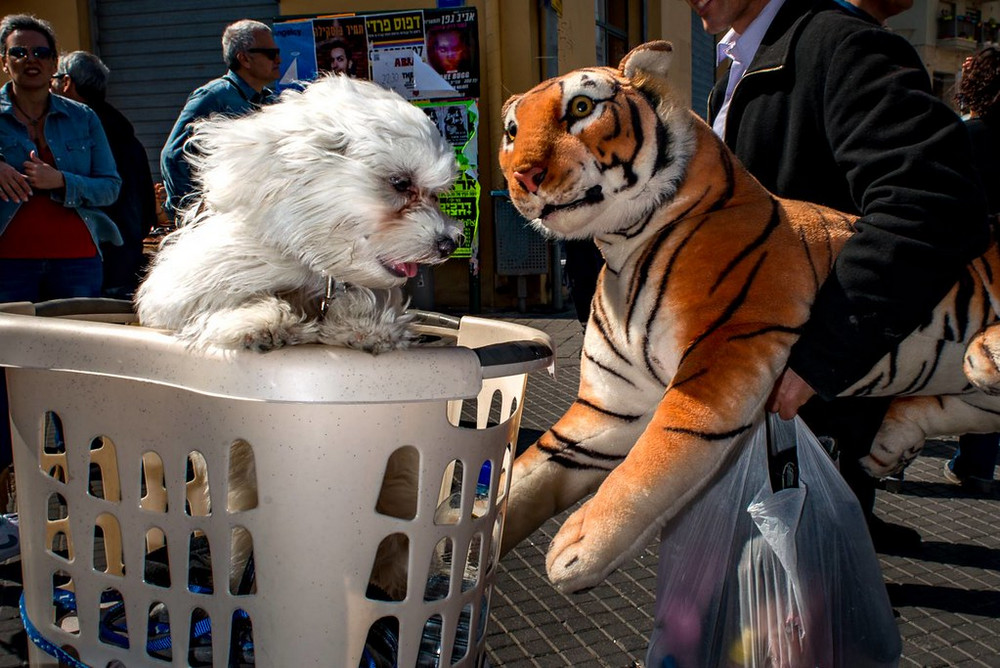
(788,395)
(42,175)
(13,184)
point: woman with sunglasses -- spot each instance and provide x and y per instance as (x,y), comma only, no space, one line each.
(56,169)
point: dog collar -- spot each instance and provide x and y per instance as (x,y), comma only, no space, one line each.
(333,288)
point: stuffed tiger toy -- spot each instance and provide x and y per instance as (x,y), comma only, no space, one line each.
(708,279)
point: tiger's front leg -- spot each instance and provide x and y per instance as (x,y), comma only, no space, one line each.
(566,464)
(716,396)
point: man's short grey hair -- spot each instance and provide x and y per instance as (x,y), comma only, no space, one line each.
(87,72)
(238,38)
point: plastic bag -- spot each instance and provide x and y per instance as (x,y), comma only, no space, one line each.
(751,577)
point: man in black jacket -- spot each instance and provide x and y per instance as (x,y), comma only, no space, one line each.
(82,76)
(826,105)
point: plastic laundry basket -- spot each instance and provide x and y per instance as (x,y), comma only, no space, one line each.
(109,421)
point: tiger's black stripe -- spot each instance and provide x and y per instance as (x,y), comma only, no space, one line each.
(604,411)
(726,160)
(650,252)
(930,374)
(661,290)
(772,224)
(599,317)
(865,390)
(575,447)
(988,316)
(963,297)
(607,369)
(784,329)
(916,380)
(569,463)
(991,411)
(732,308)
(697,374)
(566,456)
(893,364)
(708,436)
(948,332)
(664,148)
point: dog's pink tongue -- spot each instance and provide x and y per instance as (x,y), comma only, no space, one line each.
(408,268)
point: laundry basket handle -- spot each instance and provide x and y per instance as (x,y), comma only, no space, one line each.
(499,359)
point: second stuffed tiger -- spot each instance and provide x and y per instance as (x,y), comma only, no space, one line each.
(708,279)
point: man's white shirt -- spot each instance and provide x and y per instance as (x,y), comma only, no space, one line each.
(741,49)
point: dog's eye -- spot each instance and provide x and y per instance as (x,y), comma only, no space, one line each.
(580,106)
(400,183)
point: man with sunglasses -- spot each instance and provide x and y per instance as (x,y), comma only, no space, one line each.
(253,58)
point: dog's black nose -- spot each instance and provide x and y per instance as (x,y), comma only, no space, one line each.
(446,246)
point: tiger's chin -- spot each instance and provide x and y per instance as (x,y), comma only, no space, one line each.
(579,219)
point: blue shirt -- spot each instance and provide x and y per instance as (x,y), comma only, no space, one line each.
(229,95)
(82,154)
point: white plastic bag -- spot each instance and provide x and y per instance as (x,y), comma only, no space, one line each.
(750,577)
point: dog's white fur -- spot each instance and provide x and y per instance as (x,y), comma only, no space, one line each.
(339,180)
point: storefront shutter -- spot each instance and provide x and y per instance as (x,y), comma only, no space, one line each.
(159,52)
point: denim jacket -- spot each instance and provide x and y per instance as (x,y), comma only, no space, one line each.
(82,154)
(229,95)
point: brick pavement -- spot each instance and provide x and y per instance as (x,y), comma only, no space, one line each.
(947,599)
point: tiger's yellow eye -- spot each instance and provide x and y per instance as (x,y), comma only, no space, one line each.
(511,131)
(580,106)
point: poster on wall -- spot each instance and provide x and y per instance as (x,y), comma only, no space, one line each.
(421,54)
(341,46)
(458,123)
(462,204)
(298,53)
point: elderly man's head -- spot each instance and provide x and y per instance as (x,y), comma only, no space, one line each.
(249,50)
(81,76)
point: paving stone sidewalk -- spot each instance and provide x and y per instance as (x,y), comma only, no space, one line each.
(947,599)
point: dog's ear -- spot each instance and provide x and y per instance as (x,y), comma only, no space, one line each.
(333,140)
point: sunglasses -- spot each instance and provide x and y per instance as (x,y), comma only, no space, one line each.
(39,52)
(270,53)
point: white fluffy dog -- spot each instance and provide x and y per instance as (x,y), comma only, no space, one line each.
(335,185)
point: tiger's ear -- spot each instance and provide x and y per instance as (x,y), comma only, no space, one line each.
(651,59)
(646,66)
(506,105)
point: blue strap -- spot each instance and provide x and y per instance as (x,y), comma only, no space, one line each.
(44,644)
(110,632)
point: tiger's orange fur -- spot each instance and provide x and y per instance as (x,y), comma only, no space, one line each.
(708,279)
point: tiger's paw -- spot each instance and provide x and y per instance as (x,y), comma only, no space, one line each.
(589,546)
(897,443)
(982,361)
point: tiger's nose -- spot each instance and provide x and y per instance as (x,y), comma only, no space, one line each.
(531,179)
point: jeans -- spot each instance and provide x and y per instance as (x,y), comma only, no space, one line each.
(35,281)
(976,456)
(41,280)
